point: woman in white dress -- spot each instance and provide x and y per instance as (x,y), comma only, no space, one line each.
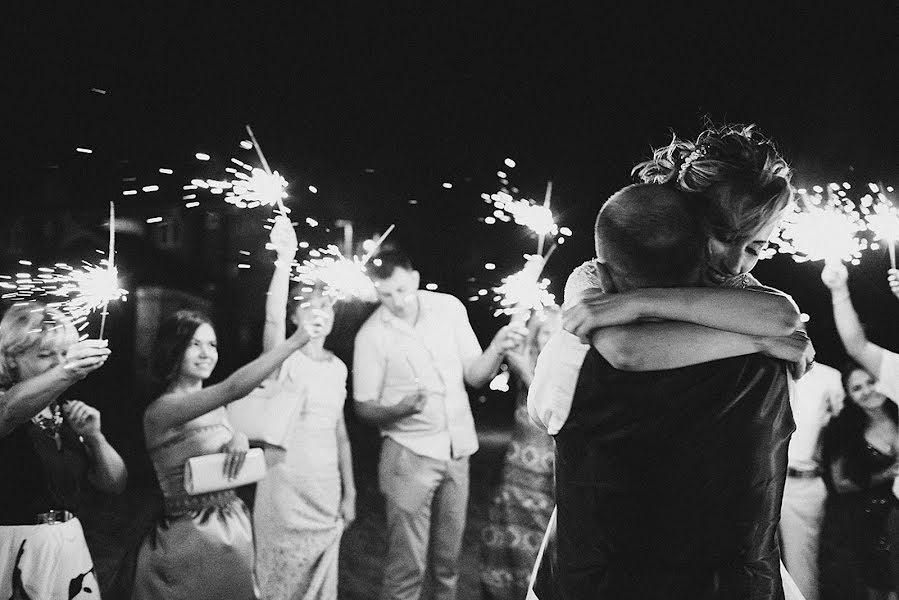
(308,497)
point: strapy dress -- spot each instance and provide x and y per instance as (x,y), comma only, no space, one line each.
(202,547)
(296,511)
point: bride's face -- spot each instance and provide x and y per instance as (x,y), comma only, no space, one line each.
(729,258)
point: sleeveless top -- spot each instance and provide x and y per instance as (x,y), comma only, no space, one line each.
(37,476)
(669,483)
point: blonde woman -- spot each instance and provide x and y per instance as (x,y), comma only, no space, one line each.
(53,450)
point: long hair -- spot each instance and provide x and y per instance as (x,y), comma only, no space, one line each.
(737,171)
(844,435)
(172,338)
(25,325)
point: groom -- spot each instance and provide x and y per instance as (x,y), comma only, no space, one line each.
(668,483)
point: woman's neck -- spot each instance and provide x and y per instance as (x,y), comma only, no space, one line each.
(185,385)
(315,348)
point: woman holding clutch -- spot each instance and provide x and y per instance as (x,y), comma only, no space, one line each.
(52,452)
(202,547)
(308,498)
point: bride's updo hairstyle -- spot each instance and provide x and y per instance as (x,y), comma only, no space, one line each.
(734,168)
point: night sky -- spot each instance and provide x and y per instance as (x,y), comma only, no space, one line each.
(379,105)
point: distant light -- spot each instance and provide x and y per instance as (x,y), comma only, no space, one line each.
(510,163)
(834,186)
(369,170)
(98,91)
(215,190)
(189,197)
(84,150)
(152,220)
(482,292)
(889,188)
(244,252)
(431,286)
(368,245)
(191,204)
(150,188)
(561,240)
(189,186)
(377,262)
(246,144)
(489,266)
(818,189)
(501,174)
(199,183)
(243,266)
(311,222)
(413,201)
(564,231)
(489,220)
(129,193)
(202,156)
(447,185)
(304,244)
(166,171)
(26,263)
(846,185)
(313,189)
(873,187)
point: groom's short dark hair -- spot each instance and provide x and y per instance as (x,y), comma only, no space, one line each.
(651,235)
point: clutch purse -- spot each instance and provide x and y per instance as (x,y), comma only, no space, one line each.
(206,473)
(267,413)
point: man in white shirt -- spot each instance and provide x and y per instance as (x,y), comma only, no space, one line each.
(817,396)
(413,357)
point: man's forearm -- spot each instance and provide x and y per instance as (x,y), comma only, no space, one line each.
(482,369)
(377,414)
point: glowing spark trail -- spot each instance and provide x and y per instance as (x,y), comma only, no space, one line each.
(882,219)
(822,230)
(343,277)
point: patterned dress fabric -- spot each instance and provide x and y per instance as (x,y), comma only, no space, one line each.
(520,511)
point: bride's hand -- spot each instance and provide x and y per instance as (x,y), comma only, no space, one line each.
(598,309)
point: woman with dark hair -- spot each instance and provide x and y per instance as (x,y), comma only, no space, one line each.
(202,547)
(52,450)
(860,447)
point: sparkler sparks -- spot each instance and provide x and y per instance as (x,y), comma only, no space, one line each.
(822,229)
(524,291)
(76,292)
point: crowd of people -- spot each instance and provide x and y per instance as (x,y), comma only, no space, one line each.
(673,436)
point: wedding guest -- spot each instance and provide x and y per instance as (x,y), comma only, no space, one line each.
(53,449)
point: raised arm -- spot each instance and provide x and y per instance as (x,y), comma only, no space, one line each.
(177,408)
(27,398)
(284,240)
(867,354)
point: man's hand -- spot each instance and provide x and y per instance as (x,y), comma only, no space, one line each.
(598,309)
(411,404)
(236,449)
(893,279)
(508,338)
(836,277)
(795,348)
(84,419)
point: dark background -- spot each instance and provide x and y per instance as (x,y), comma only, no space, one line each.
(378,105)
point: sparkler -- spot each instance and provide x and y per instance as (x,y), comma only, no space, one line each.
(343,277)
(250,186)
(524,291)
(882,219)
(822,229)
(110,265)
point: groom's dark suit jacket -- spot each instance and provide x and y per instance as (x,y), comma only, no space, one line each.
(669,483)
